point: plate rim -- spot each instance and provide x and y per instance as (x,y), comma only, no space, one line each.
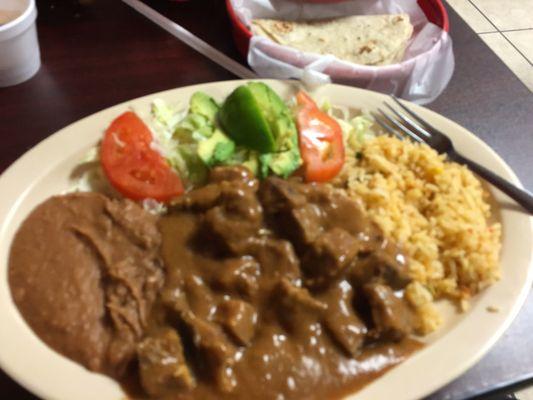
(28,383)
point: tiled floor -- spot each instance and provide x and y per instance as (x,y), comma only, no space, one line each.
(507,28)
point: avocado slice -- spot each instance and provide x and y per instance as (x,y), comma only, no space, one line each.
(216,149)
(277,115)
(204,105)
(243,118)
(255,117)
(285,163)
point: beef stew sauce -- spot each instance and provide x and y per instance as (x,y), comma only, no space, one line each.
(277,290)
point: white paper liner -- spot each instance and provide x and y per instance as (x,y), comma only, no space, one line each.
(423,74)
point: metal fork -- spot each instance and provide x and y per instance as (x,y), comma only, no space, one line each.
(413,126)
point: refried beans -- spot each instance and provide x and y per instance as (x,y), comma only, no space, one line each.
(84,271)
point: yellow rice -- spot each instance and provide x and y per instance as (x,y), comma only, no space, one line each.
(436,210)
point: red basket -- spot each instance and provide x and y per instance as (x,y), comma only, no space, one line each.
(434,10)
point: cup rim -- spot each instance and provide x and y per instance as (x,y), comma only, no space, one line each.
(22,17)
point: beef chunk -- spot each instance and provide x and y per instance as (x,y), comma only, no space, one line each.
(292,216)
(239,319)
(338,210)
(279,195)
(174,299)
(298,309)
(392,317)
(222,181)
(233,174)
(236,219)
(305,210)
(380,266)
(232,212)
(162,365)
(327,229)
(297,297)
(238,276)
(230,230)
(341,321)
(200,199)
(215,349)
(305,223)
(199,297)
(330,254)
(276,257)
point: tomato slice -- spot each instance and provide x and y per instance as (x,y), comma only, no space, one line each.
(133,168)
(320,139)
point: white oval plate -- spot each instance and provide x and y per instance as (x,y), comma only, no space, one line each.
(45,170)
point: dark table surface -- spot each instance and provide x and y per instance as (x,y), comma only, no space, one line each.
(103,53)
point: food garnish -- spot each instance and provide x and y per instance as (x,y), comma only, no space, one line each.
(132,166)
(255,117)
(253,127)
(321,142)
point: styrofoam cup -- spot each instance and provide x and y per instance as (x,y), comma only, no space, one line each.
(20,58)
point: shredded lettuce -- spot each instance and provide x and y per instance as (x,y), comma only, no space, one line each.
(164,114)
(173,140)
(164,121)
(356,129)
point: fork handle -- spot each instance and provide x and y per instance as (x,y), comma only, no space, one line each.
(521,196)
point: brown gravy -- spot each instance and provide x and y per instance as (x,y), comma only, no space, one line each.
(278,290)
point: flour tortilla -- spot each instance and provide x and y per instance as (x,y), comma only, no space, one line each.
(361,39)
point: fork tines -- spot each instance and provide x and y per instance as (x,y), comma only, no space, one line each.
(401,125)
